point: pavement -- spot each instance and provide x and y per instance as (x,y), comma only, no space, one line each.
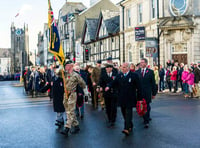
(29,123)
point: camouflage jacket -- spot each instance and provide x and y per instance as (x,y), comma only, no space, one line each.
(71,81)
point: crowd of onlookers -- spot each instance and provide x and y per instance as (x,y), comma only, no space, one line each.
(172,76)
(177,75)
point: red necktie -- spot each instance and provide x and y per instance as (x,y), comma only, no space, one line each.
(142,72)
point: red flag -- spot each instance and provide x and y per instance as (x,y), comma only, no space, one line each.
(17,14)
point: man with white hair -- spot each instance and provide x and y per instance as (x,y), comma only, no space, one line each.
(129,89)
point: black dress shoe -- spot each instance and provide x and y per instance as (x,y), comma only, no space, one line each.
(65,131)
(146,125)
(126,132)
(60,122)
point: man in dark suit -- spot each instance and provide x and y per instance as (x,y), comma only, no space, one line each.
(148,85)
(129,92)
(110,96)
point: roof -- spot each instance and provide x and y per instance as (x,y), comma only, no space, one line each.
(92,27)
(112,21)
(72,7)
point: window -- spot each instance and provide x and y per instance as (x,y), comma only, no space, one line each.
(141,51)
(128,18)
(103,31)
(153,9)
(140,13)
(130,56)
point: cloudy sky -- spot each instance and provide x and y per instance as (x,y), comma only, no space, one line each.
(32,12)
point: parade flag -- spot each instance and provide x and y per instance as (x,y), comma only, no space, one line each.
(55,46)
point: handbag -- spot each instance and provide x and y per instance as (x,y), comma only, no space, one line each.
(141,107)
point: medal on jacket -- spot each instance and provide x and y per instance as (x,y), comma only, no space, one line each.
(129,80)
(68,77)
(60,83)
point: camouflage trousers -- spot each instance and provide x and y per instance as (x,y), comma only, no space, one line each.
(197,90)
(70,106)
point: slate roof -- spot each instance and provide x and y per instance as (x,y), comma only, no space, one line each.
(112,21)
(92,27)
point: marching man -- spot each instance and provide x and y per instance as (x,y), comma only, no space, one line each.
(71,81)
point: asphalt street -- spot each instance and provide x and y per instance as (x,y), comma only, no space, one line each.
(27,122)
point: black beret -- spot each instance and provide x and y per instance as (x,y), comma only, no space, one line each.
(109,58)
(99,61)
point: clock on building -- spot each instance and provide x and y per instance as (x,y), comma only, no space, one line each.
(178,7)
(18,32)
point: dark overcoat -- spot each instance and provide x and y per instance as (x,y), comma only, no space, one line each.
(128,88)
(105,80)
(58,94)
(148,84)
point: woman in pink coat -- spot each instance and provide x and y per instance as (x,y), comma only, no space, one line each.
(184,81)
(190,81)
(174,77)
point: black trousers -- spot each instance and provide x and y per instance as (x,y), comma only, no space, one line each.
(127,114)
(111,108)
(147,115)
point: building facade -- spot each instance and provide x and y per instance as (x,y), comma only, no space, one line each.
(178,23)
(19,48)
(5,61)
(101,37)
(40,46)
(180,26)
(67,26)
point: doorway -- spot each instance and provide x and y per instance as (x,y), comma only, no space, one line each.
(180,58)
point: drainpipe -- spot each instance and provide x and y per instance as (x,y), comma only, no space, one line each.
(123,32)
(158,34)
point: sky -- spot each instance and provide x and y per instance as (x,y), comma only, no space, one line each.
(31,12)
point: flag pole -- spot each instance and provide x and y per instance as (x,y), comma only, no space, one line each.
(57,55)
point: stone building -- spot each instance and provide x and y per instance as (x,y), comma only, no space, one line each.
(67,26)
(19,48)
(178,29)
(180,26)
(40,46)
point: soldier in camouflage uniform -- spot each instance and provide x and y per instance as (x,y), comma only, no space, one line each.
(71,81)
